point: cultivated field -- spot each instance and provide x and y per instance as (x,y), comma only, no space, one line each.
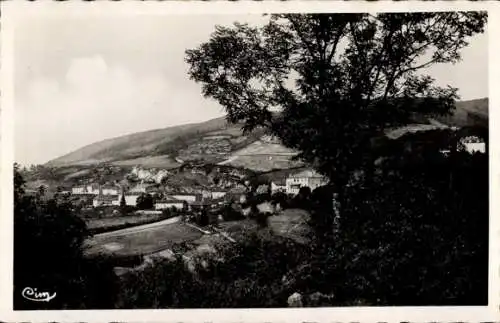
(262,163)
(142,242)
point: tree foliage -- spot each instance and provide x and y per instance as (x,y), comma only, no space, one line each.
(416,235)
(337,80)
(48,239)
(145,201)
(245,274)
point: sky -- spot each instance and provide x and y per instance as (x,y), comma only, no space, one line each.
(81,80)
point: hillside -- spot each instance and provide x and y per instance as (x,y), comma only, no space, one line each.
(467,113)
(159,147)
(215,141)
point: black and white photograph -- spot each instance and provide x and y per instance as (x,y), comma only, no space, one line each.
(250,160)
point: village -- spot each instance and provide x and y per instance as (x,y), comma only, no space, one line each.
(232,190)
(269,160)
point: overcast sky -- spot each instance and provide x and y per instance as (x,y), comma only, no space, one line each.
(78,81)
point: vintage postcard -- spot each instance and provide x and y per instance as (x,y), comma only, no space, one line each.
(279,161)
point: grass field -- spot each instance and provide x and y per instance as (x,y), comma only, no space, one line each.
(236,229)
(143,242)
(118,221)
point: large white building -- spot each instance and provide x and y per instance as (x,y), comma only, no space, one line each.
(306,178)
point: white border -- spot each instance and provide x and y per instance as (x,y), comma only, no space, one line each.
(14,10)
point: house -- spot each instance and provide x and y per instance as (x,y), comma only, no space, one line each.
(131,198)
(217,194)
(139,188)
(205,194)
(78,190)
(93,189)
(110,190)
(278,185)
(106,200)
(306,178)
(169,204)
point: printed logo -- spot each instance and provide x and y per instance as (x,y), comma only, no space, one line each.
(33,294)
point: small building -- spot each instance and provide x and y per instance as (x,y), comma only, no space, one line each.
(169,204)
(139,188)
(106,200)
(306,178)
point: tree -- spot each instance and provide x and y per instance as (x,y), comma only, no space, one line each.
(281,199)
(202,218)
(337,80)
(145,201)
(48,237)
(123,203)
